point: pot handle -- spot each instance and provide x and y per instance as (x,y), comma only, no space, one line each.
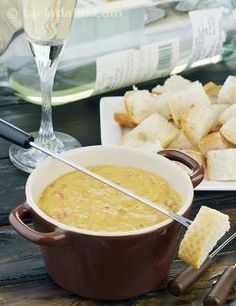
(16,220)
(197,174)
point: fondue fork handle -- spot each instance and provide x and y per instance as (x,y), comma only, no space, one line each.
(16,220)
(15,135)
(220,291)
(187,278)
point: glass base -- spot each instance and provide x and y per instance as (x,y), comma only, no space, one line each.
(28,160)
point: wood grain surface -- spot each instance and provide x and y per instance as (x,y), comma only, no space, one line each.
(24,280)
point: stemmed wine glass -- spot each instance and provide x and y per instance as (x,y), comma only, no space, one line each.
(47,24)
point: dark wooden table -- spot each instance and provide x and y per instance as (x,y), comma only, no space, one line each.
(24,280)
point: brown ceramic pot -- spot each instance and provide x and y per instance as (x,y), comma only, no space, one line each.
(103,265)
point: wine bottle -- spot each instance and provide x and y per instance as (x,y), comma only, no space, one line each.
(128,42)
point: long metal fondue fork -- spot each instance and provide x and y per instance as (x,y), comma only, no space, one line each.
(21,138)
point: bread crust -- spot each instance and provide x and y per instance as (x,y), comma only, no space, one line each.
(207,229)
(228,130)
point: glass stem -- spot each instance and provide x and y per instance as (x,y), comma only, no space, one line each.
(47,75)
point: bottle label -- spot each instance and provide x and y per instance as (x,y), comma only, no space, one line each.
(208,36)
(133,66)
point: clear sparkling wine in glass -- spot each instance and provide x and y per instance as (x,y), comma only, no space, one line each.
(47,24)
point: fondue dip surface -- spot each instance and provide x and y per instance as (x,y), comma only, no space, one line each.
(80,201)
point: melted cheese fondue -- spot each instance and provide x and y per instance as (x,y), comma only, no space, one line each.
(80,201)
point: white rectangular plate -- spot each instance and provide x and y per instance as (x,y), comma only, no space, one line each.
(111,133)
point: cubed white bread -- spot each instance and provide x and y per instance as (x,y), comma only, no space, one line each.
(222,165)
(218,110)
(139,105)
(197,122)
(228,130)
(179,102)
(161,105)
(207,229)
(153,128)
(212,91)
(227,93)
(228,113)
(172,84)
(158,90)
(214,141)
(161,95)
(121,115)
(121,107)
(182,142)
(151,146)
(136,107)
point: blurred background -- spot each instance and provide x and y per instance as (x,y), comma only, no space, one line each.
(114,44)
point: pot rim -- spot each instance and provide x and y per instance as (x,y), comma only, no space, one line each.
(68,228)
